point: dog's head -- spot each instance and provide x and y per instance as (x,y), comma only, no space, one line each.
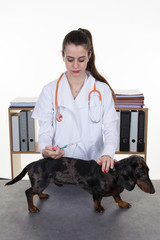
(132,171)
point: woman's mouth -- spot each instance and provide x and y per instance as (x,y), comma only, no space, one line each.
(76,71)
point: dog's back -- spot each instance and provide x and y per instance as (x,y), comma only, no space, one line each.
(62,171)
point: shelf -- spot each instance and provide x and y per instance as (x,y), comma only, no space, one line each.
(27,152)
(141,153)
(16,155)
(20,108)
(132,109)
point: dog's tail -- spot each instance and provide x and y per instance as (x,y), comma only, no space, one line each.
(21,175)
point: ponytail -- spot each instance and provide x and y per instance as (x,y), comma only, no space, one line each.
(84,37)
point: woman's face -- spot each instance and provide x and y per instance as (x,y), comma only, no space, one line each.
(76,59)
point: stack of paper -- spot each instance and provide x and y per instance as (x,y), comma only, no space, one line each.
(129,99)
(23,102)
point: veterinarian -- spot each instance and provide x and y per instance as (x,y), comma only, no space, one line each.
(78,107)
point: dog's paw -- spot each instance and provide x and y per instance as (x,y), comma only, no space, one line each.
(98,208)
(33,209)
(43,195)
(123,204)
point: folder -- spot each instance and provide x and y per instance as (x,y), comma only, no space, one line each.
(23,131)
(141,131)
(15,133)
(31,132)
(134,131)
(125,130)
(118,129)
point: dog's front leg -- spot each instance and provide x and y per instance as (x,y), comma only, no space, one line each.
(97,197)
(120,202)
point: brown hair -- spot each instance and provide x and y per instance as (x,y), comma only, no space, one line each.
(84,37)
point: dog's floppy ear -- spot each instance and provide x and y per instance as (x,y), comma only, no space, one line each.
(126,182)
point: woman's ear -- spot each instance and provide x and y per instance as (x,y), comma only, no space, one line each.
(63,55)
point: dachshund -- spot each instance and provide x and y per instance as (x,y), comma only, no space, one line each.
(88,175)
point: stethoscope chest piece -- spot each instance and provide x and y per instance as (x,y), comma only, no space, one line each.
(59,117)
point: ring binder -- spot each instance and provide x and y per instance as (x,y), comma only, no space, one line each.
(31,132)
(141,133)
(125,130)
(134,131)
(23,131)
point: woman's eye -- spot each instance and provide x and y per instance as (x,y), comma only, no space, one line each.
(80,60)
(70,60)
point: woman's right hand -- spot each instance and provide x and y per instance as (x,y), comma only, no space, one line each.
(48,152)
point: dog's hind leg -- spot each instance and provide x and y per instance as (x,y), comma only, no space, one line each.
(39,188)
(120,202)
(29,194)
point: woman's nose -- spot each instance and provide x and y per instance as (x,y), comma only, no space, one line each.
(75,63)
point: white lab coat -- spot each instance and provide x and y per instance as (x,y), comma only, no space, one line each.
(94,139)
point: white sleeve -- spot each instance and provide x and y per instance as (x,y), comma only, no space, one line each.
(44,109)
(44,112)
(110,121)
(45,136)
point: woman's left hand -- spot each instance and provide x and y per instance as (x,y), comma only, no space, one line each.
(107,162)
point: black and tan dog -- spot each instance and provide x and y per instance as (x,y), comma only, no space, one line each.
(89,176)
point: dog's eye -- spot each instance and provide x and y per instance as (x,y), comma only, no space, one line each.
(140,173)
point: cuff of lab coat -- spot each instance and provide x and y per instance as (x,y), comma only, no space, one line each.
(41,147)
(109,150)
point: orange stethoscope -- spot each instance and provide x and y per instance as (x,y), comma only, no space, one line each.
(59,116)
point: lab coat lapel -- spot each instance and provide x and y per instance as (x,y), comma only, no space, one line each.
(82,98)
(65,99)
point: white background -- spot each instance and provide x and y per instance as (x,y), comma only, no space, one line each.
(126,36)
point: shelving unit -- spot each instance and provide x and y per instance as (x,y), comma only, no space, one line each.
(16,156)
(145,109)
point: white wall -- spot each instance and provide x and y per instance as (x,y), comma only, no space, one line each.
(126,35)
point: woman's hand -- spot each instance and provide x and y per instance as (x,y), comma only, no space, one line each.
(107,162)
(48,152)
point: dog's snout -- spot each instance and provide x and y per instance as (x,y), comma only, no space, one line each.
(146,187)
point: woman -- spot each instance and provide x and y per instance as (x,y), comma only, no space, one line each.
(92,128)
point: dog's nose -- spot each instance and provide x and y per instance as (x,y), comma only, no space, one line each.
(152,190)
